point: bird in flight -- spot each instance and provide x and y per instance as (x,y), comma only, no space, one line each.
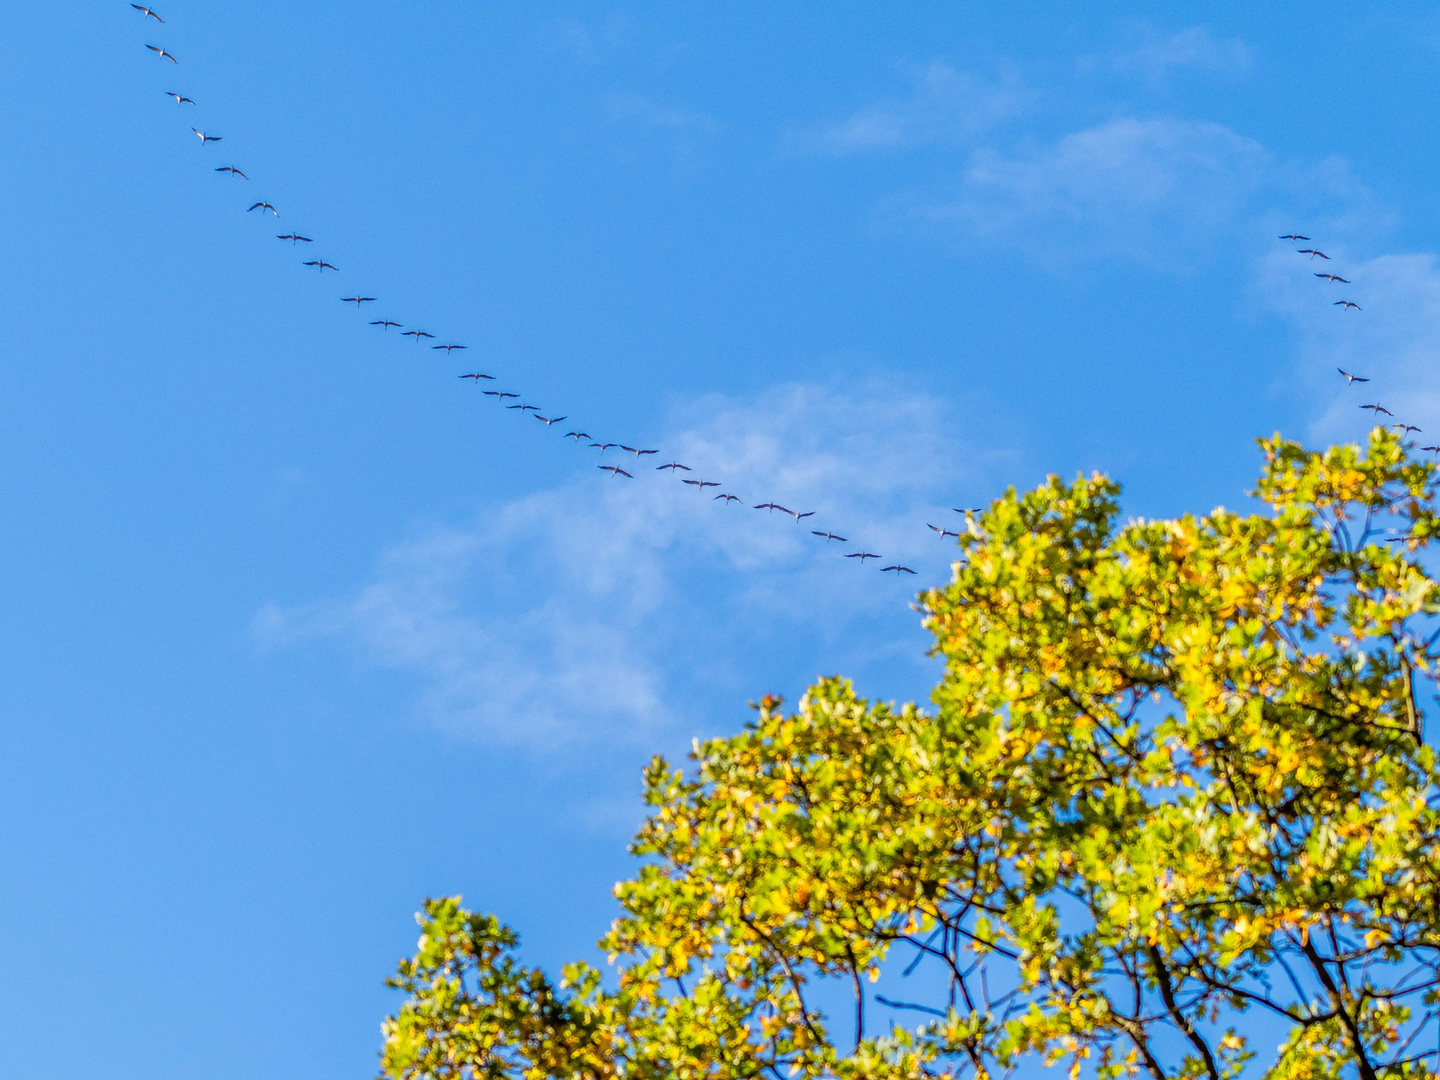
(547,421)
(828,536)
(322,264)
(296,238)
(449,348)
(772,507)
(416,334)
(1347,305)
(236,172)
(576,435)
(614,470)
(357,300)
(1431,449)
(205,138)
(264,206)
(499,395)
(1378,409)
(943,532)
(728,498)
(161,52)
(898,569)
(524,408)
(180,99)
(147,11)
(799,517)
(603,446)
(1294,237)
(1312,253)
(386,323)
(672,466)
(701,485)
(477,376)
(1349,377)
(968,509)
(1334,279)
(638,453)
(862,556)
(1407,428)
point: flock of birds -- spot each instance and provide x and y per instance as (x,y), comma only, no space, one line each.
(503,398)
(510,400)
(1375,409)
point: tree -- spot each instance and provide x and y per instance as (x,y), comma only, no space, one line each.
(1172,809)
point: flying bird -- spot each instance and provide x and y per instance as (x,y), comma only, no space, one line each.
(615,470)
(772,507)
(576,435)
(449,348)
(477,376)
(638,453)
(1378,409)
(968,509)
(547,421)
(701,485)
(296,238)
(264,206)
(603,446)
(1294,237)
(236,172)
(386,323)
(828,536)
(1431,449)
(1334,279)
(862,556)
(147,11)
(499,395)
(417,335)
(357,300)
(161,52)
(1407,428)
(524,408)
(943,532)
(205,138)
(180,99)
(322,264)
(898,569)
(1349,377)
(1313,253)
(728,498)
(1347,305)
(673,465)
(798,517)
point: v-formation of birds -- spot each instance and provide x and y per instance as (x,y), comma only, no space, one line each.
(674,467)
(501,397)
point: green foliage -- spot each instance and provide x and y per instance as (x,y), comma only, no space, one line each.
(1175,774)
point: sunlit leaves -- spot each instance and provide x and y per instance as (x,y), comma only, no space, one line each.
(1174,777)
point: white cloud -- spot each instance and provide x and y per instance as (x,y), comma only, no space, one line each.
(641,110)
(1195,48)
(1141,188)
(593,611)
(943,105)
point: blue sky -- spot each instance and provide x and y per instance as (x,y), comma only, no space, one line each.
(298,629)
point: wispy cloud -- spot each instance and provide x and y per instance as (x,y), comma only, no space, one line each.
(1140,188)
(943,105)
(1195,49)
(638,109)
(594,611)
